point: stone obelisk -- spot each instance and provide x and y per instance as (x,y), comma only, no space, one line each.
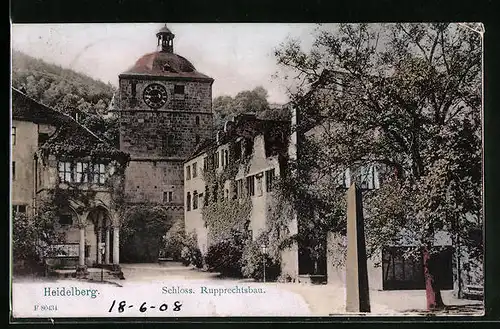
(357,292)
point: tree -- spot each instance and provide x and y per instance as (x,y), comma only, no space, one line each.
(407,98)
(248,101)
(142,232)
(32,235)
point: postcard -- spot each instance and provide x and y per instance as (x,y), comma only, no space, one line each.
(229,170)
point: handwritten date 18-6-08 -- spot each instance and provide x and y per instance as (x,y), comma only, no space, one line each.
(143,307)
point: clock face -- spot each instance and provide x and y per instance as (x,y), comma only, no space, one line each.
(155,95)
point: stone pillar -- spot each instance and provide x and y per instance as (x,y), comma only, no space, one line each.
(116,245)
(99,238)
(357,293)
(108,241)
(81,260)
(81,269)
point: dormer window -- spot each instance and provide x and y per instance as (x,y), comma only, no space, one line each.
(168,68)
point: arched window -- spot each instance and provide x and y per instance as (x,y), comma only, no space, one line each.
(197,120)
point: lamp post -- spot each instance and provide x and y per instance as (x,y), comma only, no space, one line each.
(264,252)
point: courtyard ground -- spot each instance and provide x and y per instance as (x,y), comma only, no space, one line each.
(323,300)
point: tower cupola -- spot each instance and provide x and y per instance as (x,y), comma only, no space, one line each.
(165,39)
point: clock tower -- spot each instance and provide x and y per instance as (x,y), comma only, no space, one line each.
(165,111)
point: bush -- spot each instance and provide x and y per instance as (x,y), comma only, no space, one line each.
(225,257)
(190,253)
(174,241)
(253,263)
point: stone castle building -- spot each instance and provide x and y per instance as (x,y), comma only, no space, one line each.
(248,156)
(165,110)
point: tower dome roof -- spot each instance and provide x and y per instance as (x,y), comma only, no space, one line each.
(165,64)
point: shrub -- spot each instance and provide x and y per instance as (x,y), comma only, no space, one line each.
(190,253)
(253,263)
(225,256)
(174,241)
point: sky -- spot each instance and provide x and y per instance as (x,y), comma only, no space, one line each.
(238,56)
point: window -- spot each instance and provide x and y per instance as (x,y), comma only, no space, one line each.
(368,177)
(205,164)
(197,139)
(195,200)
(197,120)
(133,88)
(344,179)
(195,170)
(216,160)
(99,173)
(65,220)
(269,180)
(259,185)
(188,172)
(168,196)
(42,138)
(13,136)
(188,201)
(248,147)
(226,157)
(239,188)
(167,143)
(21,208)
(82,172)
(207,197)
(179,89)
(251,185)
(13,170)
(226,194)
(201,200)
(65,172)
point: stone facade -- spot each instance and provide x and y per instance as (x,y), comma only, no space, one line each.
(259,169)
(160,139)
(84,187)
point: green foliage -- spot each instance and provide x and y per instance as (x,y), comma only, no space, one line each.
(33,236)
(252,260)
(67,91)
(141,233)
(225,256)
(190,253)
(406,97)
(174,241)
(248,101)
(225,216)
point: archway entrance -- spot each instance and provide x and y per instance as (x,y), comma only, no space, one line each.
(101,239)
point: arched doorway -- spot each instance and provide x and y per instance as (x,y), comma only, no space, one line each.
(100,237)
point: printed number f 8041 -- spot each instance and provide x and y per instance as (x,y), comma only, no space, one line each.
(45,307)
